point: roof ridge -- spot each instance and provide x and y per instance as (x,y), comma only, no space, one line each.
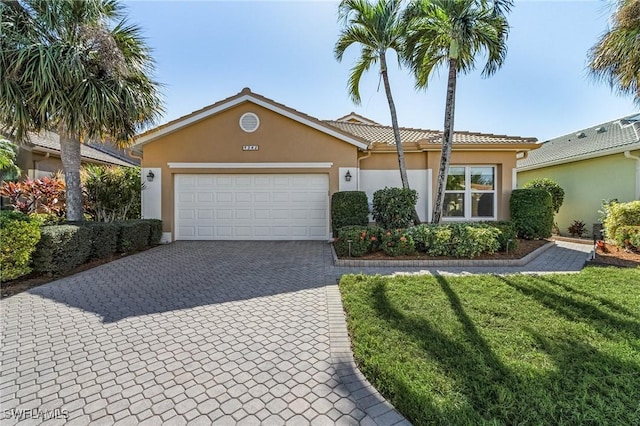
(385,126)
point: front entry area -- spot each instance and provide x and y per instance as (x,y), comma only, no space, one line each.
(251,206)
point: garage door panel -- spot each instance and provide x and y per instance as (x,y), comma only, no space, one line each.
(258,206)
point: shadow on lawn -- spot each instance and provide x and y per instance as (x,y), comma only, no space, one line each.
(583,384)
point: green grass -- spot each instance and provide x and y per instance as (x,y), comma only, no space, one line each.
(552,349)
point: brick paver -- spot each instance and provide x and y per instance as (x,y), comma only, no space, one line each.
(200,333)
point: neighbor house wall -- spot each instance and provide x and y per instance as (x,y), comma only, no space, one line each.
(586,183)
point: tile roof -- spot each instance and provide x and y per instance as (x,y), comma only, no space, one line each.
(51,141)
(590,142)
(384,134)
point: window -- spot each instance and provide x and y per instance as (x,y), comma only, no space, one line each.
(470,193)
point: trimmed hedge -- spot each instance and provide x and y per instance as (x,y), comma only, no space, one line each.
(155,231)
(457,239)
(393,208)
(19,235)
(557,193)
(532,213)
(349,208)
(134,235)
(104,238)
(62,248)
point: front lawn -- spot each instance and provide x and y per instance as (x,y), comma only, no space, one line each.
(552,349)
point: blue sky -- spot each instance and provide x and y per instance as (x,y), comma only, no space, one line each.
(210,50)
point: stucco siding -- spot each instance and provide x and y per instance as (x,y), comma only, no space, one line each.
(586,183)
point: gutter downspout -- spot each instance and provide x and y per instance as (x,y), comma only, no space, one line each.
(369,152)
(627,154)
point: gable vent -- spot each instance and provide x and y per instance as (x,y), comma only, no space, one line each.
(581,135)
(249,122)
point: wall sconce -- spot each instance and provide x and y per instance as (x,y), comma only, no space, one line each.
(347,177)
(150,176)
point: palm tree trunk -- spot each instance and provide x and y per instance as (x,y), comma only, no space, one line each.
(396,130)
(447,141)
(70,156)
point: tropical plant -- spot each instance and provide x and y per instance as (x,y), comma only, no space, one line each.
(112,193)
(9,170)
(615,58)
(44,195)
(77,68)
(377,28)
(452,34)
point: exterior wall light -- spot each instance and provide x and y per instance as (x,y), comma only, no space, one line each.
(150,176)
(347,177)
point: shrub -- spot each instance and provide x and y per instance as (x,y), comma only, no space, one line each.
(134,235)
(397,242)
(557,193)
(471,240)
(112,193)
(532,212)
(19,235)
(423,235)
(62,248)
(508,237)
(621,214)
(104,238)
(45,195)
(628,236)
(354,241)
(155,231)
(393,208)
(577,228)
(349,208)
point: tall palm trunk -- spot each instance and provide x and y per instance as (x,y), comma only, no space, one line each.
(447,141)
(396,130)
(70,156)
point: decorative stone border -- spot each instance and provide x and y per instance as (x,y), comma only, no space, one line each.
(365,395)
(441,263)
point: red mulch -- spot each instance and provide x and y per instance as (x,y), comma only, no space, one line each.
(616,256)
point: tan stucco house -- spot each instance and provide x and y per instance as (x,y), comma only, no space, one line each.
(249,168)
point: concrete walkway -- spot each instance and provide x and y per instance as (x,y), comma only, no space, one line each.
(198,333)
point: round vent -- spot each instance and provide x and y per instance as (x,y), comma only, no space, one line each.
(249,122)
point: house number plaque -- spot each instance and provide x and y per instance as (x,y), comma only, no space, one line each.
(249,147)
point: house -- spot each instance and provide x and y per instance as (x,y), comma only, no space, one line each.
(591,165)
(41,155)
(248,167)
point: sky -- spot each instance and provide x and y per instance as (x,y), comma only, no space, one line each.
(206,51)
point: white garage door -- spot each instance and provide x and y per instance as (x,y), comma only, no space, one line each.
(252,207)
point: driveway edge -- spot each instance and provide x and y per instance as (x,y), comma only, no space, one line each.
(442,263)
(364,393)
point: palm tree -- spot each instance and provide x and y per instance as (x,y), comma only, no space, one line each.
(376,27)
(616,56)
(76,68)
(453,33)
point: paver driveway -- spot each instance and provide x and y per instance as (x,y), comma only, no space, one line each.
(202,332)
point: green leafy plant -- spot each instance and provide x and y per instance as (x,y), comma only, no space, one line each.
(508,237)
(397,242)
(349,208)
(355,241)
(557,193)
(19,235)
(394,208)
(62,248)
(9,170)
(134,235)
(112,193)
(44,195)
(620,214)
(532,212)
(468,240)
(577,228)
(155,231)
(104,238)
(628,236)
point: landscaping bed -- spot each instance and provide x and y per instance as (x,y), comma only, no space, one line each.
(616,256)
(549,349)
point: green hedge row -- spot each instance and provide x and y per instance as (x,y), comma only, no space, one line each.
(532,212)
(456,240)
(349,208)
(19,235)
(64,247)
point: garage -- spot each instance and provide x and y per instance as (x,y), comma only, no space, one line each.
(252,206)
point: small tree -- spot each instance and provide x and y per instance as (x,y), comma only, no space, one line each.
(557,193)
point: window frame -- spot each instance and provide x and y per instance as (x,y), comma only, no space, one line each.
(468,192)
